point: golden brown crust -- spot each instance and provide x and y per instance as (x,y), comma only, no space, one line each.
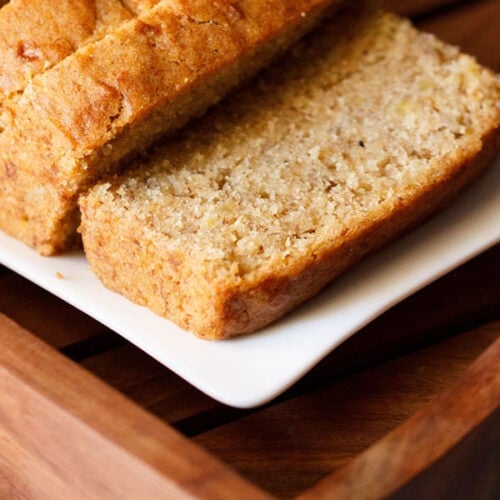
(36,34)
(120,93)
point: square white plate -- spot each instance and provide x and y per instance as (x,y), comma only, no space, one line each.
(251,370)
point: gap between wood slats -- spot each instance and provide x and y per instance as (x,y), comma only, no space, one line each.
(43,314)
(423,9)
(335,368)
(288,447)
(444,308)
(479,479)
(4,271)
(98,344)
(67,435)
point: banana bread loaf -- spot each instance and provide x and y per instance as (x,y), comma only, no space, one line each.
(367,129)
(113,97)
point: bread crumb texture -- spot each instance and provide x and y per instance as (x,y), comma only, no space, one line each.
(331,154)
(112,97)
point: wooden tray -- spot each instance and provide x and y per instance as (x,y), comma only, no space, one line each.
(407,408)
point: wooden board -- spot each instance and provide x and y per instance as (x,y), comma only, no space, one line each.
(406,408)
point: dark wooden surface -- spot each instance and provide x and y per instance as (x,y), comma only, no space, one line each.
(405,408)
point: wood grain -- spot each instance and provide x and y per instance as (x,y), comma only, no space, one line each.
(470,469)
(77,437)
(149,384)
(44,314)
(66,433)
(422,439)
(290,446)
(440,310)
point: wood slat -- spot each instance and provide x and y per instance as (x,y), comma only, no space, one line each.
(43,314)
(65,434)
(421,440)
(474,461)
(288,447)
(438,311)
(149,384)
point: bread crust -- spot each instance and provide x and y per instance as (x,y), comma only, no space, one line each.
(137,261)
(146,78)
(221,310)
(247,310)
(35,35)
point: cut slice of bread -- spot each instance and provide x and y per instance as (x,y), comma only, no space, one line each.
(36,34)
(363,132)
(113,97)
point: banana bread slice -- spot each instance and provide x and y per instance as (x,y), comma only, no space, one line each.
(368,128)
(113,97)
(36,34)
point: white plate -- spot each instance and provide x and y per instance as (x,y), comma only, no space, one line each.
(251,370)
